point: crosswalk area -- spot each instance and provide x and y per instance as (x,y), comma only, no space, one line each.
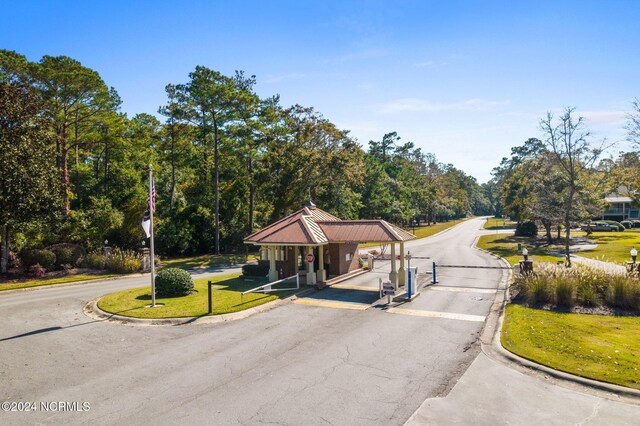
(436,302)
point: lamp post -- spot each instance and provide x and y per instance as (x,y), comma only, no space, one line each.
(106,243)
(634,254)
(525,253)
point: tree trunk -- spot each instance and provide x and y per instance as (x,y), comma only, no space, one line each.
(547,228)
(215,184)
(567,224)
(106,165)
(173,170)
(64,150)
(252,190)
(77,158)
(4,261)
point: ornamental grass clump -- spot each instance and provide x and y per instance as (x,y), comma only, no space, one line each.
(173,282)
(566,287)
(123,261)
(565,291)
(623,293)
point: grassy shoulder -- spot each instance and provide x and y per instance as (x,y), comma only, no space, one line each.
(191,262)
(506,246)
(499,223)
(207,261)
(226,298)
(604,348)
(613,246)
(38,282)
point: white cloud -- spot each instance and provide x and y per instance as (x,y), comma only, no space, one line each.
(362,54)
(423,105)
(429,64)
(277,78)
(597,118)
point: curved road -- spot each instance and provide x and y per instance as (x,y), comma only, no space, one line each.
(335,357)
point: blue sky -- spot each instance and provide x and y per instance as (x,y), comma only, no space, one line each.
(466,80)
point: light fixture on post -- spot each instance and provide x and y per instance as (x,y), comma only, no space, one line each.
(634,254)
(106,243)
(525,253)
(143,243)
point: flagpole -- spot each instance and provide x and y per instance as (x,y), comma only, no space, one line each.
(153,263)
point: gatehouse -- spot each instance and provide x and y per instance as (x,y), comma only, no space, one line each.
(318,246)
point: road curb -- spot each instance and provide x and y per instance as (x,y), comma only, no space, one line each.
(117,277)
(92,310)
(62,285)
(492,347)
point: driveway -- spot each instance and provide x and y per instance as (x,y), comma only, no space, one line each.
(309,362)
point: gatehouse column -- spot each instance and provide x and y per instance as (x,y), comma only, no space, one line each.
(311,275)
(393,275)
(322,277)
(273,273)
(402,273)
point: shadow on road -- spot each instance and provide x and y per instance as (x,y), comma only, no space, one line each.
(48,329)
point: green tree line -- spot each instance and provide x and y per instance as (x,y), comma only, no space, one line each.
(561,179)
(226,162)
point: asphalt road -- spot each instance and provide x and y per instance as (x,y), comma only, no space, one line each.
(336,357)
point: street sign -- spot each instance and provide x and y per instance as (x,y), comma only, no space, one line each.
(388,290)
(398,257)
(310,258)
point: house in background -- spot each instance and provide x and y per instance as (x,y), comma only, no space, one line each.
(620,206)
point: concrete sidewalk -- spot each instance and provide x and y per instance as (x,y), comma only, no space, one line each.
(599,264)
(490,393)
(500,388)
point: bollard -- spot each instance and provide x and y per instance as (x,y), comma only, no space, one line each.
(210,304)
(434,273)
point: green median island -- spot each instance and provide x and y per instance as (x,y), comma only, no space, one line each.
(227,297)
(604,348)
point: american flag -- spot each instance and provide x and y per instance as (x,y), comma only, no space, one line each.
(151,200)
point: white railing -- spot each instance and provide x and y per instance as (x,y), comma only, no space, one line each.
(265,288)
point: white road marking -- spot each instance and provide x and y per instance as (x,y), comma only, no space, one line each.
(462,289)
(434,314)
(354,287)
(332,304)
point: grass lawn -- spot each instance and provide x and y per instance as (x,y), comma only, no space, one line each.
(207,260)
(506,246)
(614,246)
(193,262)
(604,348)
(15,284)
(499,223)
(226,295)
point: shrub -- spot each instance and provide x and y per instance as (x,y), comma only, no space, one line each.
(43,258)
(93,260)
(589,287)
(123,261)
(627,224)
(36,271)
(526,229)
(67,253)
(538,292)
(259,270)
(588,295)
(172,282)
(565,292)
(14,261)
(623,292)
